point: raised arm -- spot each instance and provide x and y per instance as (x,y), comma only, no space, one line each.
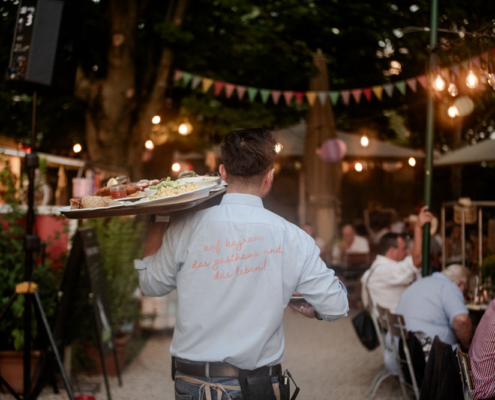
(423,217)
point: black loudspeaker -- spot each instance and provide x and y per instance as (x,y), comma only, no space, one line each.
(42,49)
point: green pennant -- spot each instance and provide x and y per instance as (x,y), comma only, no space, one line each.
(334,96)
(186,78)
(265,94)
(252,93)
(401,86)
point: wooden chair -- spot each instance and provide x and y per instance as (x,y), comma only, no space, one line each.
(397,329)
(466,374)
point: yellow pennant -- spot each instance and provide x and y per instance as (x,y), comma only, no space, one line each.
(207,84)
(378,90)
(311,96)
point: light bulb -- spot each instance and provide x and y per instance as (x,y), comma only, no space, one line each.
(365,141)
(77,148)
(491,79)
(156,119)
(358,167)
(185,128)
(453,111)
(149,145)
(278,148)
(439,84)
(452,89)
(176,167)
(412,161)
(471,80)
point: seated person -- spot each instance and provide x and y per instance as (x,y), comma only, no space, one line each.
(482,356)
(392,272)
(350,244)
(310,229)
(435,305)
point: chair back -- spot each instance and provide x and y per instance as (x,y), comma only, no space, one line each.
(382,317)
(465,371)
(397,326)
(357,259)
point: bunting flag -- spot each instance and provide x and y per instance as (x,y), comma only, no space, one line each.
(185,78)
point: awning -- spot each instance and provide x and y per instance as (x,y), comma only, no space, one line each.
(292,140)
(481,151)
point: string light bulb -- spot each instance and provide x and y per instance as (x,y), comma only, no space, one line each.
(77,148)
(439,83)
(358,167)
(490,76)
(278,148)
(149,145)
(453,111)
(185,128)
(365,141)
(176,167)
(472,80)
(156,119)
(412,161)
(452,89)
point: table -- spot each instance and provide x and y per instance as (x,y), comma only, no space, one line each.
(152,209)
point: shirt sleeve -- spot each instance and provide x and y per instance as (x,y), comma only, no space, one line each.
(402,272)
(319,285)
(157,273)
(453,303)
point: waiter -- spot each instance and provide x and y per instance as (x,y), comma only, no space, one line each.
(235,267)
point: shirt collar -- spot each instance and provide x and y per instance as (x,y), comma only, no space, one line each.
(240,198)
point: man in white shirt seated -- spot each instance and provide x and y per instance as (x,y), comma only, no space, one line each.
(350,244)
(392,272)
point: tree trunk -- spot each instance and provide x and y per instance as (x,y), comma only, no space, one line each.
(322,179)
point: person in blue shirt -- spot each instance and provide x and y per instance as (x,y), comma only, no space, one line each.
(235,267)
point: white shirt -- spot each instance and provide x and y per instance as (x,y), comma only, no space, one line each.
(235,267)
(389,279)
(359,245)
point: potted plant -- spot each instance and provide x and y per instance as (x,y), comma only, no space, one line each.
(11,273)
(488,271)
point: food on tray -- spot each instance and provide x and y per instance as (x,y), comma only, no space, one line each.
(118,192)
(75,203)
(92,202)
(143,183)
(112,182)
(137,194)
(105,191)
(169,187)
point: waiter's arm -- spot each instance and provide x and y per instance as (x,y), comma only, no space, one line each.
(154,239)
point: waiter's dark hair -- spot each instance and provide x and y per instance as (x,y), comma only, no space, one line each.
(387,241)
(248,154)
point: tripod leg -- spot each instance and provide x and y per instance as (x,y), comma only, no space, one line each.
(117,366)
(53,345)
(4,383)
(104,367)
(9,303)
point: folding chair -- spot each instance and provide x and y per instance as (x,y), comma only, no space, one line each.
(381,329)
(466,374)
(397,328)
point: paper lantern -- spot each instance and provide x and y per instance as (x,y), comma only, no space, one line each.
(333,150)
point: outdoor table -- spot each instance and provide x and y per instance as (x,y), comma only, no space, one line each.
(476,312)
(163,209)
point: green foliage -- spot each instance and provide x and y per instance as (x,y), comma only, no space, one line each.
(488,270)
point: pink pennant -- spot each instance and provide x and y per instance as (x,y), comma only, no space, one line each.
(229,89)
(178,75)
(299,97)
(218,87)
(288,96)
(356,93)
(423,81)
(476,61)
(413,84)
(484,56)
(367,93)
(276,96)
(240,91)
(346,95)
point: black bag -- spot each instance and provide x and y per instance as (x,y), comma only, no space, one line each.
(365,329)
(256,384)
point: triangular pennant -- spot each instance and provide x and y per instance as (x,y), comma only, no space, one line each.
(276,96)
(401,85)
(186,78)
(346,95)
(299,97)
(229,89)
(218,87)
(322,96)
(356,93)
(288,96)
(465,64)
(207,82)
(389,89)
(252,93)
(476,61)
(423,81)
(265,93)
(240,91)
(484,56)
(456,69)
(413,84)
(178,74)
(367,93)
(334,96)
(196,80)
(311,96)
(378,91)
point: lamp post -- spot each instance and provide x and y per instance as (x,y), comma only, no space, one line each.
(430,127)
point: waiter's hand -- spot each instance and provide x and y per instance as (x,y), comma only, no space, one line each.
(303,307)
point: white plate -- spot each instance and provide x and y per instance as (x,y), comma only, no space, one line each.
(202,180)
(178,198)
(67,209)
(132,198)
(218,187)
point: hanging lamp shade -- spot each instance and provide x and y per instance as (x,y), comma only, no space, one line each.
(333,150)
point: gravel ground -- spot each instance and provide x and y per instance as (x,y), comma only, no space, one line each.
(326,360)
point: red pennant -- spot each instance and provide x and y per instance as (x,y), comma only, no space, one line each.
(299,97)
(178,75)
(356,93)
(476,61)
(413,84)
(218,87)
(288,96)
(367,93)
(423,81)
(276,96)
(229,89)
(346,95)
(240,91)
